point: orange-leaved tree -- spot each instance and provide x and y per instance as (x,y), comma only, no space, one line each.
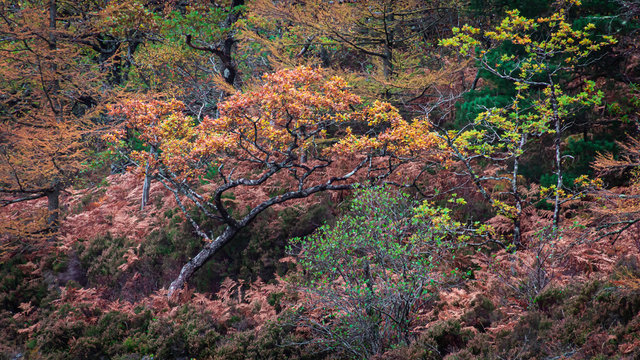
(286,139)
(617,210)
(386,46)
(48,90)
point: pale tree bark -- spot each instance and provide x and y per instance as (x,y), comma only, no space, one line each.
(201,258)
(147,179)
(517,232)
(557,142)
(145,188)
(233,226)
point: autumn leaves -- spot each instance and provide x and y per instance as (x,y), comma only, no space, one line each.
(294,112)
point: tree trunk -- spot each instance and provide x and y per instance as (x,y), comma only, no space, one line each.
(53,14)
(53,205)
(53,86)
(557,140)
(325,58)
(517,233)
(147,180)
(387,60)
(558,159)
(145,188)
(229,70)
(197,261)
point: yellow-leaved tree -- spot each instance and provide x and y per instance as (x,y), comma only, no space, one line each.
(536,56)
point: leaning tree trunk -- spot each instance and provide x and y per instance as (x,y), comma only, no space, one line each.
(197,261)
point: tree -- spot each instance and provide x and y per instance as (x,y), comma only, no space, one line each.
(47,92)
(617,210)
(191,54)
(387,47)
(120,28)
(286,139)
(364,277)
(537,56)
(224,44)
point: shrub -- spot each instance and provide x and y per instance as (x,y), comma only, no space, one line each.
(365,276)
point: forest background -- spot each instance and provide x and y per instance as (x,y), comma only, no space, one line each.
(319,179)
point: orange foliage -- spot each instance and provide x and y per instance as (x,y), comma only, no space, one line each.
(290,115)
(87,305)
(47,95)
(290,134)
(115,211)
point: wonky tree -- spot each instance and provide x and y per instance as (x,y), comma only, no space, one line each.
(283,140)
(537,56)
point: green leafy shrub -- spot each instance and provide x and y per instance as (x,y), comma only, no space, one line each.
(368,273)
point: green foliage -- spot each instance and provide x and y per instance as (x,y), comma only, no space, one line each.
(196,21)
(492,96)
(576,317)
(581,153)
(274,341)
(101,258)
(537,58)
(255,251)
(594,319)
(188,333)
(371,269)
(481,313)
(18,285)
(527,7)
(438,342)
(364,275)
(510,55)
(171,65)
